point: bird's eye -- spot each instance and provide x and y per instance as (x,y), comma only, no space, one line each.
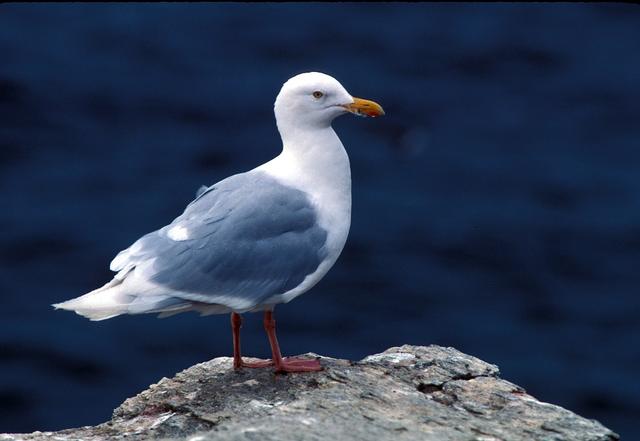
(317,94)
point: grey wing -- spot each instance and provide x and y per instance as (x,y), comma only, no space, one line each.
(238,243)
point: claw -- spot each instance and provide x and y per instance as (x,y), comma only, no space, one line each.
(292,364)
(253,364)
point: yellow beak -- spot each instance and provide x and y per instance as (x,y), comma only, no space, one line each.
(364,108)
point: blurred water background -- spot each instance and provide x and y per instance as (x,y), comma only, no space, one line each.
(496,206)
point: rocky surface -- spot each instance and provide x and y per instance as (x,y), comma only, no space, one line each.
(405,393)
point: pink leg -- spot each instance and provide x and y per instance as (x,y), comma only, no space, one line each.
(289,364)
(236,324)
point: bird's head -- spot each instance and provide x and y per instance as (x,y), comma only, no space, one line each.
(315,99)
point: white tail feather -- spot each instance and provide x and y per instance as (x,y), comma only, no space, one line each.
(100,304)
(121,297)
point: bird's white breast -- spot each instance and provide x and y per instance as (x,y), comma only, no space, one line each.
(323,172)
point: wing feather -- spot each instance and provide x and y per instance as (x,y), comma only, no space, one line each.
(243,239)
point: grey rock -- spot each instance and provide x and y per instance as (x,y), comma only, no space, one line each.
(405,393)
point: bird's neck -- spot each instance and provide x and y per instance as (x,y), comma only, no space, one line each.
(315,160)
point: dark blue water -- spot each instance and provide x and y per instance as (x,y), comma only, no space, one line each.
(496,206)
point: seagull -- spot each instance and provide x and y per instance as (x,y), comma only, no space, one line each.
(255,239)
